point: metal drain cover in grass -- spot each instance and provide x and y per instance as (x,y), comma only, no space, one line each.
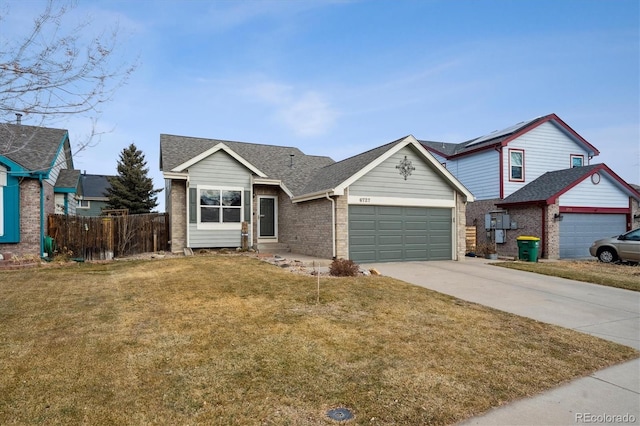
(340,414)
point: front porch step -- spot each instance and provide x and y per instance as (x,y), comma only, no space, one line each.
(273,248)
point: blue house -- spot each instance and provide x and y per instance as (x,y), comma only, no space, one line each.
(36,179)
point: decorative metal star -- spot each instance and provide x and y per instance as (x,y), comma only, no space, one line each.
(405,167)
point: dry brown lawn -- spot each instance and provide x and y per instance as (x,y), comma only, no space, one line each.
(625,276)
(231,340)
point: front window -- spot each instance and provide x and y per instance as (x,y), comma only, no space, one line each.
(220,206)
(83,204)
(516,165)
(577,161)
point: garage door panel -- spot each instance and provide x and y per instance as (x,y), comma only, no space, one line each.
(388,225)
(399,233)
(579,230)
(416,226)
(363,225)
(416,239)
(364,240)
(390,255)
(387,240)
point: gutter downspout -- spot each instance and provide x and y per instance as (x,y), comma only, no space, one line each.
(187,210)
(333,224)
(41,215)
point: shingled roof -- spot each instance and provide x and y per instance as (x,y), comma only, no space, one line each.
(551,185)
(500,137)
(94,186)
(303,175)
(67,180)
(32,148)
(287,164)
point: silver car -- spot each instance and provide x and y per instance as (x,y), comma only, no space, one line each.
(625,248)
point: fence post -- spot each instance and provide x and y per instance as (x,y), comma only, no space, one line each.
(107,233)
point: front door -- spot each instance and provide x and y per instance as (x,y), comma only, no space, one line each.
(267,222)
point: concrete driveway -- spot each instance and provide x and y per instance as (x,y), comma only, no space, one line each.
(605,312)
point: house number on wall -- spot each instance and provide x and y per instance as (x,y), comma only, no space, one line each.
(365,200)
(405,167)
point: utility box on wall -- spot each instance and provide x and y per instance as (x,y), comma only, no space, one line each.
(498,220)
(497,223)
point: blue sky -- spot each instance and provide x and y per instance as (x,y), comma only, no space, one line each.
(340,77)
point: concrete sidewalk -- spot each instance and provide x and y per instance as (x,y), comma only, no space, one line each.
(610,396)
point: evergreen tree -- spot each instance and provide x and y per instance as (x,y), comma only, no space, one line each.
(132,189)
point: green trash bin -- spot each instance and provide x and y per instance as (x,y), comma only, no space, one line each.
(528,247)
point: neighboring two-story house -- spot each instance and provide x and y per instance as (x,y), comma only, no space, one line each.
(537,178)
(392,203)
(91,196)
(36,179)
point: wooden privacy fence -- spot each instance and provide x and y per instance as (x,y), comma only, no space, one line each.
(105,237)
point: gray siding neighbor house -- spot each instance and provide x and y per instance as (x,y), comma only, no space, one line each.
(393,203)
(539,174)
(92,198)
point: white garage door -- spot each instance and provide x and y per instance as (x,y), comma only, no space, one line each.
(579,230)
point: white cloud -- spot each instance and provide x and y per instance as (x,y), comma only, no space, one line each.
(310,115)
(306,114)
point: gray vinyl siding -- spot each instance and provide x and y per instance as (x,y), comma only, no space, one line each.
(95,208)
(587,194)
(218,170)
(386,180)
(59,164)
(479,173)
(546,148)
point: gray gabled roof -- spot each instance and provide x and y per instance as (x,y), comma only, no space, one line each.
(304,175)
(474,144)
(68,179)
(551,185)
(94,186)
(287,164)
(499,137)
(33,148)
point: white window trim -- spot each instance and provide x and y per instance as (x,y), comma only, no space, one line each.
(80,206)
(218,226)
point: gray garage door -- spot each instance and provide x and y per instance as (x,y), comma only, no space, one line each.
(579,230)
(391,234)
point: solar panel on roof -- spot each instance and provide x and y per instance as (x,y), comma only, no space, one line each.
(499,133)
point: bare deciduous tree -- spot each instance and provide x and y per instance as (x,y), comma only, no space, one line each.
(58,68)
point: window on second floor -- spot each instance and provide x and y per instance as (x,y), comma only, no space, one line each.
(516,165)
(83,204)
(577,160)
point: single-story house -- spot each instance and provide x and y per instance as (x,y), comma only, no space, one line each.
(36,179)
(395,202)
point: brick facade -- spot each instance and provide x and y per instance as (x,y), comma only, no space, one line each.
(307,226)
(30,218)
(529,220)
(635,214)
(178,215)
(460,225)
